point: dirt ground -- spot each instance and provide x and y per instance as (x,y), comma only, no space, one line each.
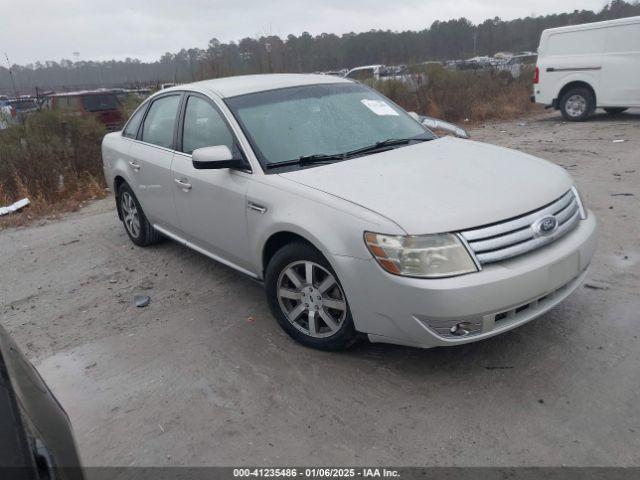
(204,376)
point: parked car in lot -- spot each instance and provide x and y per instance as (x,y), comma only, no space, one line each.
(356,217)
(7,116)
(101,104)
(517,63)
(584,67)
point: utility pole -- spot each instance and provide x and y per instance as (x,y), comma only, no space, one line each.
(13,83)
(267,47)
(475,42)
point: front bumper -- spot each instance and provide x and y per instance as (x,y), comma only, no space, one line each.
(420,312)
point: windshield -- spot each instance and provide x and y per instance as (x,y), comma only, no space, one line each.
(98,102)
(286,124)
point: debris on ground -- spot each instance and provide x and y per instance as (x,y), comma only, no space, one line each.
(75,240)
(619,140)
(625,194)
(91,365)
(14,207)
(141,300)
(594,286)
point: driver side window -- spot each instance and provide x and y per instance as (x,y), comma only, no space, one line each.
(204,127)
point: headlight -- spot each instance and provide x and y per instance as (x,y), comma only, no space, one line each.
(427,256)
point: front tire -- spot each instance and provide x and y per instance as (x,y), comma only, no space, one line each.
(616,110)
(135,222)
(577,105)
(306,298)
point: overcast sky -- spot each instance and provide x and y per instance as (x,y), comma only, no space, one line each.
(33,30)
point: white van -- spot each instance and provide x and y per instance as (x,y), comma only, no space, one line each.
(584,67)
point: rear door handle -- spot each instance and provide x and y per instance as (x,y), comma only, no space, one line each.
(182,183)
(134,165)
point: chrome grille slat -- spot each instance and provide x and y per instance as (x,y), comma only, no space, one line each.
(518,223)
(520,248)
(567,213)
(502,241)
(515,237)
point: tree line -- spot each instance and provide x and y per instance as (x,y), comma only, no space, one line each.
(452,39)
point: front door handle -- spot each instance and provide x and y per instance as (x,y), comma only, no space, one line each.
(134,165)
(182,183)
(256,208)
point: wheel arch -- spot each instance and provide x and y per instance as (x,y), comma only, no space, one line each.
(575,84)
(278,240)
(117,182)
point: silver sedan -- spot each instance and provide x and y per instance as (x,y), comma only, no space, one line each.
(358,219)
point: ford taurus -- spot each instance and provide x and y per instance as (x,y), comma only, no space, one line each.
(356,217)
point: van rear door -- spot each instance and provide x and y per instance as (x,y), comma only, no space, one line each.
(621,67)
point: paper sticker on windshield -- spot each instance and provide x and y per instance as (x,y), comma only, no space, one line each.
(379,107)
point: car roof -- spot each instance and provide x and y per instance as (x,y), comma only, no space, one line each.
(588,26)
(244,84)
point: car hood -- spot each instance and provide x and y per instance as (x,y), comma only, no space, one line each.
(443,185)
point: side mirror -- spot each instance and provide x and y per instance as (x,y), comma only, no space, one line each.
(215,158)
(436,124)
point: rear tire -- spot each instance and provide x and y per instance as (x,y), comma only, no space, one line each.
(135,222)
(306,298)
(577,104)
(616,110)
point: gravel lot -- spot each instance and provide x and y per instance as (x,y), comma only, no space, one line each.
(204,376)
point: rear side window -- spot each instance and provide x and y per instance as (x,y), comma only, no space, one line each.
(204,127)
(131,130)
(160,121)
(66,103)
(576,43)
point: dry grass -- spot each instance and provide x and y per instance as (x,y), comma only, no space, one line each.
(463,96)
(53,160)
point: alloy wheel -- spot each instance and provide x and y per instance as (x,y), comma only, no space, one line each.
(130,215)
(576,105)
(311,299)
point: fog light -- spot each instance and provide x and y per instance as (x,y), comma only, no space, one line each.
(461,329)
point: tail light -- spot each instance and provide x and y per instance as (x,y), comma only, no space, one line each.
(536,76)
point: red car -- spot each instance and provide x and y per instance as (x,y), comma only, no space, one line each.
(102,104)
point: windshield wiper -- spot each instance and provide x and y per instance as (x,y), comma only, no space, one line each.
(384,144)
(322,158)
(315,159)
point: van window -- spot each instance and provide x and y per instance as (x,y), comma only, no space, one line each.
(576,43)
(160,121)
(66,103)
(100,102)
(623,38)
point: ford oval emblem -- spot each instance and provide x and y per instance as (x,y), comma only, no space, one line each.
(546,225)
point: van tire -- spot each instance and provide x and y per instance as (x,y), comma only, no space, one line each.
(577,104)
(616,110)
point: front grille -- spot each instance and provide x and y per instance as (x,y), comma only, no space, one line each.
(517,236)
